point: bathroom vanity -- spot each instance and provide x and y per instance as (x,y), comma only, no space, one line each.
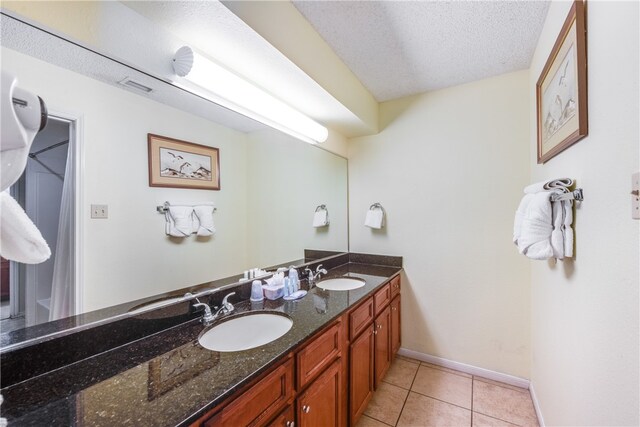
(320,373)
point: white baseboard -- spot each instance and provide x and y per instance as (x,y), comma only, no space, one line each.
(469,369)
(536,405)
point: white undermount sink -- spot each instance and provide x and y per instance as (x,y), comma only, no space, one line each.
(245,332)
(341,284)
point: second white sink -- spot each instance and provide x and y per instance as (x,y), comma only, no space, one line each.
(245,332)
(341,284)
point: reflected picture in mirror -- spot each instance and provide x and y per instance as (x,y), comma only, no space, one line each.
(121,256)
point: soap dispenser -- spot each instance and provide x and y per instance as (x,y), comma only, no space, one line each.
(293,278)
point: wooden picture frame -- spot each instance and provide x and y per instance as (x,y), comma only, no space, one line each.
(181,164)
(561,90)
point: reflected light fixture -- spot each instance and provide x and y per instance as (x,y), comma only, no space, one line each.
(235,93)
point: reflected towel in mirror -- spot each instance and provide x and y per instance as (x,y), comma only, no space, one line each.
(203,221)
(179,221)
(320,218)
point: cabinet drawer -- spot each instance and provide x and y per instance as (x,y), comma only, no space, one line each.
(395,287)
(286,419)
(381,299)
(360,318)
(261,402)
(319,353)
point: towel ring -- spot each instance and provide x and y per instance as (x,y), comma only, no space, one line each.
(376,206)
(321,208)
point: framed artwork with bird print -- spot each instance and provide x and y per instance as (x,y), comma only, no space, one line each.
(561,91)
(182,164)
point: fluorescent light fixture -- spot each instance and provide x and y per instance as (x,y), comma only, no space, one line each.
(235,93)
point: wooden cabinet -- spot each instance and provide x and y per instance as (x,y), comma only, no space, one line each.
(320,405)
(374,328)
(382,331)
(361,373)
(334,375)
(395,325)
(259,403)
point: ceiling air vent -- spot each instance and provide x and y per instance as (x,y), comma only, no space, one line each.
(135,85)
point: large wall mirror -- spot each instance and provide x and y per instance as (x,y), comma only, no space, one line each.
(271,185)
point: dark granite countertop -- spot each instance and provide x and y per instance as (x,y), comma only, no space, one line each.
(168,379)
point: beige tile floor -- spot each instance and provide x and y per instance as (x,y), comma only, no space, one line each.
(416,394)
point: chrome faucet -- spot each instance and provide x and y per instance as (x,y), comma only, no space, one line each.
(207,317)
(226,307)
(311,276)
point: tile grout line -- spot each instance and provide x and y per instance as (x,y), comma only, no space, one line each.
(472,400)
(440,400)
(498,419)
(407,397)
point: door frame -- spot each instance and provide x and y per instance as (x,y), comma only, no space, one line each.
(76,145)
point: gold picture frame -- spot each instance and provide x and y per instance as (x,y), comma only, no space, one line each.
(181,164)
(561,90)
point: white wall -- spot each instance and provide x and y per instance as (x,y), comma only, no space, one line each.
(128,256)
(585,324)
(449,167)
(287,176)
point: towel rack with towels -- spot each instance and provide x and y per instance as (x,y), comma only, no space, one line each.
(163,209)
(321,216)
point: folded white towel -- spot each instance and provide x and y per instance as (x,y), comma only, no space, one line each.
(374,218)
(560,184)
(180,222)
(557,235)
(204,220)
(566,227)
(20,239)
(320,218)
(536,227)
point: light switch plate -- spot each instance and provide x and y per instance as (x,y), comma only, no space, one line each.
(99,211)
(635,195)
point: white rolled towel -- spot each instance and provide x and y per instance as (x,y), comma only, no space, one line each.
(20,239)
(180,221)
(204,218)
(374,218)
(320,218)
(534,240)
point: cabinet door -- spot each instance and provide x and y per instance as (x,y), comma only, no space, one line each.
(382,327)
(320,405)
(395,325)
(360,374)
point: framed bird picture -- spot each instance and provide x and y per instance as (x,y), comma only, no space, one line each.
(182,164)
(561,91)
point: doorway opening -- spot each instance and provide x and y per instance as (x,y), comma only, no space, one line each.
(38,293)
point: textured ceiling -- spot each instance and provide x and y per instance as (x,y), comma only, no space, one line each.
(401,48)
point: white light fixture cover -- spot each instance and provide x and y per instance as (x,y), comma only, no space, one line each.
(235,93)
